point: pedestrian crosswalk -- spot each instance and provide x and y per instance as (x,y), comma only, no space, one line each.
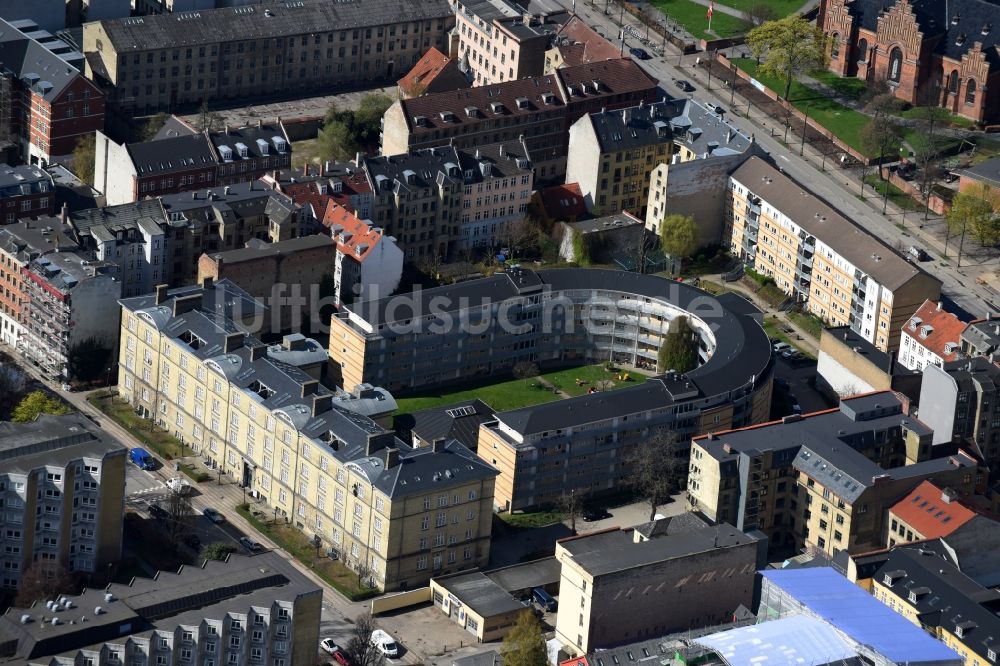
(160,487)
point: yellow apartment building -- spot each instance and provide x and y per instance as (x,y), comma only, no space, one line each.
(395,513)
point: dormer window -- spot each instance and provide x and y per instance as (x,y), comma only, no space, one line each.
(986,28)
(960,40)
(448,116)
(522,102)
(497,107)
(472,112)
(914,322)
(926,330)
(263,146)
(226,153)
(243,150)
(955,19)
(279,144)
(420,121)
(548,98)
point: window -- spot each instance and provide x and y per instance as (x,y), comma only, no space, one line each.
(953,82)
(834,46)
(863,50)
(970,92)
(895,64)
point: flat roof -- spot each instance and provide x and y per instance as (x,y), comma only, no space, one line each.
(537,573)
(480,593)
(858,615)
(614,551)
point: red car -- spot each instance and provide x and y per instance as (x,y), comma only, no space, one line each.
(341,658)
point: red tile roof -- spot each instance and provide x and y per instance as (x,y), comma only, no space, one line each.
(584,45)
(944,328)
(354,236)
(433,67)
(563,202)
(925,511)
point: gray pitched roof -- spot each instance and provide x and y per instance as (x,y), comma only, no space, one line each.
(178,153)
(253,137)
(39,68)
(268,19)
(52,440)
(459,421)
(123,215)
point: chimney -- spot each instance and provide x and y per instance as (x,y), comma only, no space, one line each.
(64,214)
(225,190)
(938,306)
(227,129)
(258,122)
(357,159)
(322,404)
(438,445)
(948,496)
(322,167)
(207,282)
(309,387)
(501,150)
(258,352)
(184,304)
(378,441)
(161,293)
(233,341)
(391,457)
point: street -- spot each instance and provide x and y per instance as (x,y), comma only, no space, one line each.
(832,184)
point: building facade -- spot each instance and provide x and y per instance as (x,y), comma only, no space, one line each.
(824,480)
(368,263)
(63,491)
(834,268)
(52,104)
(69,295)
(25,191)
(616,585)
(499,180)
(931,336)
(613,155)
(396,514)
(936,53)
(540,109)
(151,63)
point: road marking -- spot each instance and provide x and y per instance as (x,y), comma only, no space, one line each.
(784,157)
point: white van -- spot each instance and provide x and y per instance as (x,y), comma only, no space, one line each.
(385,643)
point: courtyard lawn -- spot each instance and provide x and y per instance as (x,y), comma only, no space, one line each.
(849,87)
(590,376)
(500,395)
(694,18)
(845,123)
(782,8)
(947,116)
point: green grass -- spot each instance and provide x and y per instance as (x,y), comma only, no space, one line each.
(590,376)
(694,18)
(845,123)
(916,112)
(296,544)
(306,150)
(781,8)
(896,195)
(531,520)
(846,86)
(195,474)
(501,396)
(155,439)
(809,323)
(772,327)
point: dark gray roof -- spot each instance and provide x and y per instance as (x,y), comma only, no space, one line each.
(185,597)
(126,216)
(230,202)
(173,127)
(606,223)
(945,597)
(475,590)
(22,179)
(497,160)
(268,19)
(63,271)
(252,137)
(280,248)
(615,551)
(28,239)
(988,171)
(416,170)
(178,153)
(983,335)
(52,440)
(863,348)
(37,67)
(459,421)
(974,372)
(524,576)
(671,525)
(491,658)
(936,19)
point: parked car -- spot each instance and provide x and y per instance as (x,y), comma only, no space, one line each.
(544,599)
(329,646)
(590,515)
(641,54)
(780,347)
(158,512)
(213,515)
(250,544)
(341,658)
(684,85)
(179,486)
(918,253)
(385,644)
(141,458)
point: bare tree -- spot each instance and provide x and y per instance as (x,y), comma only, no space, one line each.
(928,141)
(604,384)
(181,519)
(42,580)
(571,506)
(525,370)
(656,469)
(519,236)
(360,648)
(637,251)
(365,572)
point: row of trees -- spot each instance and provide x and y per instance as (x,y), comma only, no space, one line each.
(347,131)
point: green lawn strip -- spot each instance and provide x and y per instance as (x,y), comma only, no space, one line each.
(156,439)
(590,376)
(809,323)
(896,195)
(195,474)
(306,150)
(532,519)
(501,396)
(773,329)
(916,113)
(694,18)
(845,123)
(782,8)
(846,86)
(295,543)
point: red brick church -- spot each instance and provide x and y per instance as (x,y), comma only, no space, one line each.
(944,48)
